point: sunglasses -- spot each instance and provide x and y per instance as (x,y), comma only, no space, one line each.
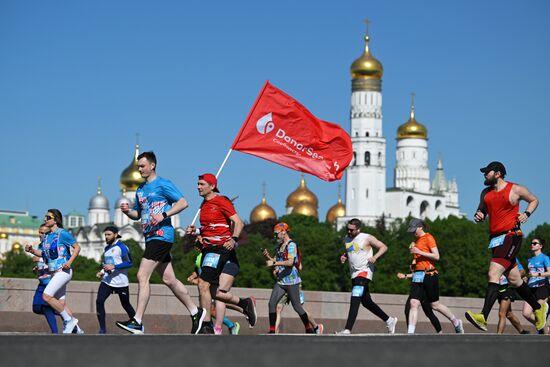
(48,217)
(535,243)
(351,229)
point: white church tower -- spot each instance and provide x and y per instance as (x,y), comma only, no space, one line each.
(366,175)
(412,171)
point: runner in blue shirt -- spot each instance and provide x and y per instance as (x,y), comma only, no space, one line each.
(538,272)
(156,201)
(57,254)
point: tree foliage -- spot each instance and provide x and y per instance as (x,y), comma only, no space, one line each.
(461,243)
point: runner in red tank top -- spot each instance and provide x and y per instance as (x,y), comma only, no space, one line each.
(221,227)
(500,202)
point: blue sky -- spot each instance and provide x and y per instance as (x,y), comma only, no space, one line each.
(79,79)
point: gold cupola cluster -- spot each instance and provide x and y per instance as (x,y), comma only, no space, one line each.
(300,201)
(412,129)
(303,201)
(130,178)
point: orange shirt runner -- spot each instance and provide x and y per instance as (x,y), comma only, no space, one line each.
(424,244)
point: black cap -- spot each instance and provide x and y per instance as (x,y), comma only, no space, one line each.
(415,223)
(494,166)
(113,229)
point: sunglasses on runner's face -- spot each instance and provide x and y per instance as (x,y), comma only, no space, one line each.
(351,229)
(535,243)
(48,217)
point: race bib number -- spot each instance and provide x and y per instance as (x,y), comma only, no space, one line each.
(54,265)
(109,260)
(357,291)
(418,277)
(497,241)
(211,260)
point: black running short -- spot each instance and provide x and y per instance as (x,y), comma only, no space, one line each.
(507,292)
(215,260)
(428,288)
(506,253)
(540,292)
(157,250)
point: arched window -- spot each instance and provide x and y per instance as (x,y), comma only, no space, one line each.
(367,193)
(379,158)
(367,134)
(424,209)
(438,205)
(367,158)
(409,200)
(354,161)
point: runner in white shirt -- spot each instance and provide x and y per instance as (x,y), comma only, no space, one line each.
(114,276)
(361,260)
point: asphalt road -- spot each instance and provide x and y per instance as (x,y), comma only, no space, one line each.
(273,350)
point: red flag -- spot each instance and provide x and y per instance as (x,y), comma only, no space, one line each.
(281,130)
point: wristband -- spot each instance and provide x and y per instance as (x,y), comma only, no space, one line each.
(164,215)
(235,238)
(527,213)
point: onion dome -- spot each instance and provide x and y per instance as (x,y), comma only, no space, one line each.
(412,129)
(130,178)
(302,194)
(335,211)
(262,212)
(305,208)
(99,201)
(121,200)
(16,247)
(366,66)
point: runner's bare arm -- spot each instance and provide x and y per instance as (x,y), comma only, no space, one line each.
(481,211)
(379,245)
(74,254)
(522,193)
(132,214)
(237,226)
(433,254)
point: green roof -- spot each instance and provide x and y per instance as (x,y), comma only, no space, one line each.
(19,221)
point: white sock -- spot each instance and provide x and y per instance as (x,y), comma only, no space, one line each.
(411,329)
(137,320)
(389,320)
(65,315)
(194,311)
(454,320)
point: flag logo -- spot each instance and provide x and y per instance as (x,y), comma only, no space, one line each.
(265,124)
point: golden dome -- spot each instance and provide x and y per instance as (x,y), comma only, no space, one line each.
(305,208)
(130,178)
(337,210)
(302,193)
(412,128)
(366,66)
(16,247)
(262,212)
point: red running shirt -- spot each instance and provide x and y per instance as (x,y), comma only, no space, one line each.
(502,214)
(215,222)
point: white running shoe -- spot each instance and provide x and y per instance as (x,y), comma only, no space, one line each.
(343,332)
(218,330)
(70,325)
(390,324)
(459,328)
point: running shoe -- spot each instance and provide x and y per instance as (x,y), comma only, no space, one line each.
(525,332)
(343,332)
(477,319)
(218,330)
(132,326)
(197,320)
(319,329)
(235,329)
(250,311)
(78,330)
(70,325)
(206,329)
(459,328)
(390,324)
(540,316)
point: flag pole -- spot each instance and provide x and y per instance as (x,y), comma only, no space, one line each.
(217,175)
